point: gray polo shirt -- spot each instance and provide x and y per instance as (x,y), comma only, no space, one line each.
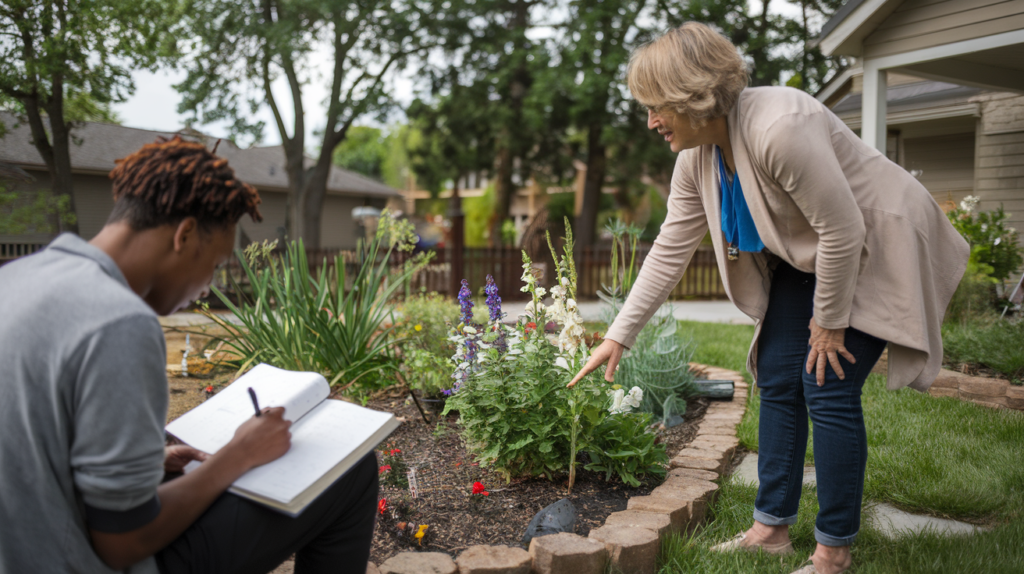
(83,401)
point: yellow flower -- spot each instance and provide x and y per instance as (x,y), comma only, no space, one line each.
(421,533)
(616,387)
(418,327)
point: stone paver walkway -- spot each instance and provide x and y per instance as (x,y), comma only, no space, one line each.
(888,519)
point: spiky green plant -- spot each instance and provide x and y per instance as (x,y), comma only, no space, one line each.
(331,322)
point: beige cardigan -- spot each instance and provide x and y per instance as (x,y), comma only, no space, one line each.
(885,256)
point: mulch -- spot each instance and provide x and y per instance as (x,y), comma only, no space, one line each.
(456,518)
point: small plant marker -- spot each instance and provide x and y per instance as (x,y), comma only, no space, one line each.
(413,486)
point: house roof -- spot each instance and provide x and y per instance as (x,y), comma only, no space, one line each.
(843,33)
(919,95)
(96,146)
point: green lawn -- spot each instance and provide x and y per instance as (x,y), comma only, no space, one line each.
(937,456)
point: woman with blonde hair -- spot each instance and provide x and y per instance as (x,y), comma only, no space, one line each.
(831,248)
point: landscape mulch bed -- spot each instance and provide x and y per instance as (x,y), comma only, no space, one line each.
(456,518)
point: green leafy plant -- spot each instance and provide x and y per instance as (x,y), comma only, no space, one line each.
(653,362)
(992,242)
(517,413)
(335,323)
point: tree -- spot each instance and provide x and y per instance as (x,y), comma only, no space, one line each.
(598,38)
(250,43)
(56,55)
(363,151)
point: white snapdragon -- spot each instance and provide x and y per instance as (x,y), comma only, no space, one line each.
(623,402)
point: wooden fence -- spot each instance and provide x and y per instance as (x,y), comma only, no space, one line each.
(12,251)
(505,264)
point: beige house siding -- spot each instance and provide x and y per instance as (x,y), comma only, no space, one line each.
(945,163)
(921,24)
(93,199)
(999,165)
(337,229)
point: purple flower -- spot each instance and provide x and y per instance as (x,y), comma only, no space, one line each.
(493,301)
(465,303)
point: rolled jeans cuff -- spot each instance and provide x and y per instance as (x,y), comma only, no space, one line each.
(769,520)
(827,540)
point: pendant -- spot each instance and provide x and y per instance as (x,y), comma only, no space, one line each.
(734,253)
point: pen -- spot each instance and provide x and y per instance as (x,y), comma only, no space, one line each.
(255,403)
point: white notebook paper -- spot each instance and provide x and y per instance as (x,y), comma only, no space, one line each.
(328,436)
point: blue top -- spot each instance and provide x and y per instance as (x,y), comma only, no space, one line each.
(737,223)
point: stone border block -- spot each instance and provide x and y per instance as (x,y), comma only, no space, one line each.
(631,549)
(483,559)
(566,553)
(371,568)
(694,473)
(683,461)
(678,511)
(979,387)
(419,563)
(658,523)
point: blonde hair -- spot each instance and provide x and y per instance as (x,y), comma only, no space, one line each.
(692,70)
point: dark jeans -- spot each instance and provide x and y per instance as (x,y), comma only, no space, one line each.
(787,394)
(235,535)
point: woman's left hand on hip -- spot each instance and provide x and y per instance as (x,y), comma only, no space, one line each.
(827,345)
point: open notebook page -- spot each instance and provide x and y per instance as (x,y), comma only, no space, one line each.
(212,424)
(330,433)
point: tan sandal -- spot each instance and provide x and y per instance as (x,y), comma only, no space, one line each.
(739,542)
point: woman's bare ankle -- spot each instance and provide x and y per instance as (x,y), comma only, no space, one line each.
(765,534)
(831,559)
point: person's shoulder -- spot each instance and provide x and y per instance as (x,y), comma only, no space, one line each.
(73,291)
(763,106)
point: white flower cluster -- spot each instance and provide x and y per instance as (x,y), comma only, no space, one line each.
(563,310)
(622,402)
(970,202)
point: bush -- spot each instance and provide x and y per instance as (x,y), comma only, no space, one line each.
(516,413)
(993,244)
(655,361)
(301,322)
(975,296)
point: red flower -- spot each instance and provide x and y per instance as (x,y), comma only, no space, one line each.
(382,505)
(479,488)
(384,468)
(531,326)
(209,389)
(395,451)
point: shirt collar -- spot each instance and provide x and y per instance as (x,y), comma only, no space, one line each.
(75,245)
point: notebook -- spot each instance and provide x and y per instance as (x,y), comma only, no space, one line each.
(328,436)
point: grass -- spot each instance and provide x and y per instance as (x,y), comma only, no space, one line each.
(994,343)
(996,551)
(937,456)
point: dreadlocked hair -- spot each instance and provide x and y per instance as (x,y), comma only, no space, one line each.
(167,181)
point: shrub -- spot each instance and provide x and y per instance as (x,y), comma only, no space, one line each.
(992,243)
(423,324)
(331,323)
(657,360)
(516,412)
(975,296)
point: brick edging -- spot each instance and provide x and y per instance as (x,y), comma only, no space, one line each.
(993,393)
(630,540)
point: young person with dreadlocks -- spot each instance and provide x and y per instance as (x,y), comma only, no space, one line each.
(83,399)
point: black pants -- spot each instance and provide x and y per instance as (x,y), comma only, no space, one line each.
(235,535)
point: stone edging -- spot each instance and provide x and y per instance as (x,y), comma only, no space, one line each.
(993,393)
(630,539)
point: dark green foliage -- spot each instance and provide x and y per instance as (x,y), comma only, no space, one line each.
(364,151)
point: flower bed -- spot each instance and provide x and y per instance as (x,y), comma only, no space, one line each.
(459,521)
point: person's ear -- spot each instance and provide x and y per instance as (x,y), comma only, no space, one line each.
(185,234)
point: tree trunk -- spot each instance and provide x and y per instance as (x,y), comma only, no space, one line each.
(504,190)
(597,163)
(458,241)
(56,156)
(294,217)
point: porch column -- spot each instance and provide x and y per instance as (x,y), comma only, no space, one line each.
(873,107)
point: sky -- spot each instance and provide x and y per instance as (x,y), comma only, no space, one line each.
(155,102)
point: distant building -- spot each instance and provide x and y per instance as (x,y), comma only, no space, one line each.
(96,146)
